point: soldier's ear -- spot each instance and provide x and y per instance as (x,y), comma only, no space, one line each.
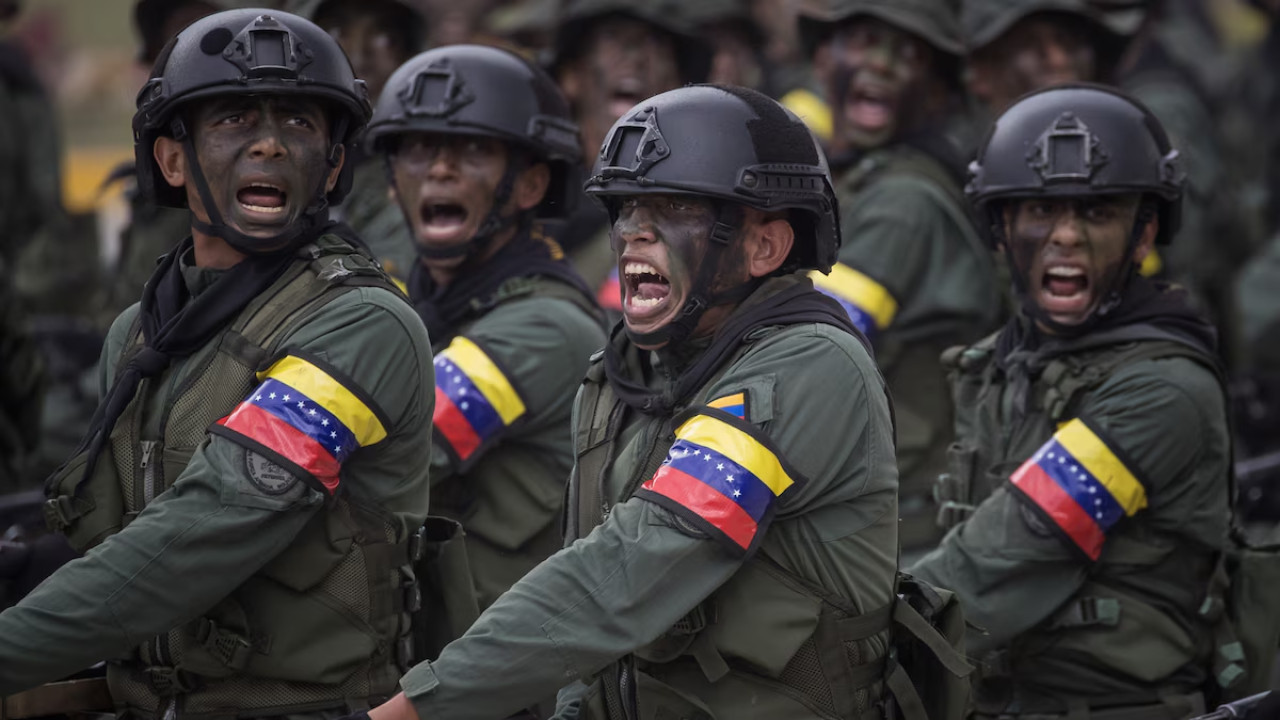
(172,161)
(767,244)
(531,186)
(1147,243)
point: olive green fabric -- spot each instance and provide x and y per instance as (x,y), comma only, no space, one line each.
(214,535)
(986,20)
(21,390)
(905,226)
(936,21)
(1062,632)
(509,496)
(30,161)
(632,578)
(377,219)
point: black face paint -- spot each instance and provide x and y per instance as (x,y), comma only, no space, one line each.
(1071,256)
(264,159)
(660,242)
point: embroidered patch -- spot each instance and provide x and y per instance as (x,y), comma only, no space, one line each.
(735,404)
(1081,485)
(475,401)
(267,476)
(870,305)
(722,478)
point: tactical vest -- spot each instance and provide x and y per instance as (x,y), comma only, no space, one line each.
(1142,611)
(344,578)
(908,357)
(737,634)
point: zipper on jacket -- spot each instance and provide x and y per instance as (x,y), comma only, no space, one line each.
(148,471)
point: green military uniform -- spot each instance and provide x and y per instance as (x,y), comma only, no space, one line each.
(508,492)
(1259,308)
(183,495)
(914,273)
(377,219)
(829,553)
(1092,460)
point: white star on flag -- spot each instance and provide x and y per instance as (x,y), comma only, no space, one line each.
(273,396)
(1093,489)
(707,457)
(333,434)
(286,398)
(324,422)
(729,478)
(337,449)
(313,411)
(465,405)
(301,405)
(258,396)
(737,493)
(697,453)
(719,466)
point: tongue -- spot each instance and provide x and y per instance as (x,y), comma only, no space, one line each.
(870,114)
(653,290)
(262,197)
(446,219)
(1065,286)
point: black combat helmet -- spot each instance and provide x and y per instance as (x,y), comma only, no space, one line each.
(478,90)
(247,52)
(1077,140)
(730,144)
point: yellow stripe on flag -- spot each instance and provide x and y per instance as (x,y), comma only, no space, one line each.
(867,294)
(739,447)
(1091,452)
(330,394)
(728,401)
(487,378)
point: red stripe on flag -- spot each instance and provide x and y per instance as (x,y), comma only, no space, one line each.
(275,434)
(454,426)
(706,502)
(609,295)
(1061,507)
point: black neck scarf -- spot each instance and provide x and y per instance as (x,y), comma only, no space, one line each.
(175,325)
(1148,310)
(796,304)
(474,289)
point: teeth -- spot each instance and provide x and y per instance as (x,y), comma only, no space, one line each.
(1064,271)
(260,208)
(640,268)
(644,302)
(267,185)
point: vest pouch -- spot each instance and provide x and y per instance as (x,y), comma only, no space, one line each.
(929,674)
(660,701)
(1116,632)
(449,604)
(173,461)
(763,617)
(322,544)
(91,512)
(1253,617)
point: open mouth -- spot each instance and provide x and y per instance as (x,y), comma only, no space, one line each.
(647,289)
(1064,289)
(870,107)
(624,97)
(263,198)
(442,220)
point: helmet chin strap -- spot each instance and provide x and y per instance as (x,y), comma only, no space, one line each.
(494,222)
(1109,303)
(312,219)
(727,227)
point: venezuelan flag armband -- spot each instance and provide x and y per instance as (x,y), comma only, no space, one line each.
(307,417)
(476,403)
(723,476)
(869,304)
(1079,483)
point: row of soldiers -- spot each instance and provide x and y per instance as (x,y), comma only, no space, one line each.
(714,202)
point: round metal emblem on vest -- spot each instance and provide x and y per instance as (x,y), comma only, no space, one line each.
(268,476)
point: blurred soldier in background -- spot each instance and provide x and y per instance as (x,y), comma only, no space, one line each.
(914,273)
(21,387)
(610,55)
(378,36)
(737,42)
(481,150)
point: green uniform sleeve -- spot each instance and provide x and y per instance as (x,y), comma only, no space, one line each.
(906,236)
(540,347)
(648,564)
(1013,567)
(225,516)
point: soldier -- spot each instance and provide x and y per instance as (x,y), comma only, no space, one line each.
(481,150)
(915,275)
(21,388)
(609,55)
(1092,430)
(733,522)
(378,36)
(254,477)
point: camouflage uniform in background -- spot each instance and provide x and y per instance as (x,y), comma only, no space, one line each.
(21,384)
